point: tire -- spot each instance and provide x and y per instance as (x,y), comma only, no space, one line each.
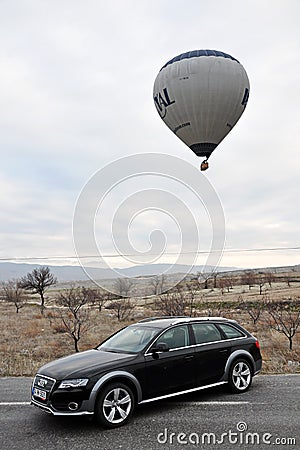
(240,376)
(114,406)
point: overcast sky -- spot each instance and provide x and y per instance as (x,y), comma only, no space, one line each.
(76,82)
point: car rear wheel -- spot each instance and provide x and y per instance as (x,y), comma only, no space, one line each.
(240,376)
(114,405)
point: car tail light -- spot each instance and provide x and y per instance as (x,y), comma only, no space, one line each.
(257,343)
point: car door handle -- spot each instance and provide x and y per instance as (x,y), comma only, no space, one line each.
(224,351)
(189,357)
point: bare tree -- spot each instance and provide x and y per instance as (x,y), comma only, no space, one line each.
(222,285)
(203,279)
(230,281)
(288,278)
(98,297)
(123,286)
(253,308)
(122,309)
(269,278)
(171,304)
(13,293)
(192,292)
(248,278)
(284,319)
(225,283)
(260,280)
(37,282)
(158,284)
(74,313)
(215,276)
(154,284)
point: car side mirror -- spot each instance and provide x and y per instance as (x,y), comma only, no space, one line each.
(162,347)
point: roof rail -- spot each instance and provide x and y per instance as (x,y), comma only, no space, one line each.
(203,318)
(179,319)
(151,319)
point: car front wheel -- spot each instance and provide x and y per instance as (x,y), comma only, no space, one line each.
(114,405)
(240,376)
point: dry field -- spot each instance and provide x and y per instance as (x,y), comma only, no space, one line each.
(28,340)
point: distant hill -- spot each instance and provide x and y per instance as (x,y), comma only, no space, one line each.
(10,270)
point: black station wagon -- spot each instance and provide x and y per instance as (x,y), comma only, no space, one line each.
(150,360)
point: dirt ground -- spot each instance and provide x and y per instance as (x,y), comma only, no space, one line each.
(28,340)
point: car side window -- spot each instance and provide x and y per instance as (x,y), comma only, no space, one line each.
(206,332)
(175,337)
(230,332)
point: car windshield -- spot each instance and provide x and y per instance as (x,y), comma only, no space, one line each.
(129,340)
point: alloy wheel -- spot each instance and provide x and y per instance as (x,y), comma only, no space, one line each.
(117,405)
(241,376)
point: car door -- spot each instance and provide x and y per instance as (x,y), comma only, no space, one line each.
(172,370)
(211,353)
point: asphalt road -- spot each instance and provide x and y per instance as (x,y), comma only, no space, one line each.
(267,416)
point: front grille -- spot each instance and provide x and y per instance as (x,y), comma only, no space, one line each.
(42,387)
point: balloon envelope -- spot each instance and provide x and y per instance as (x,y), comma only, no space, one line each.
(200,95)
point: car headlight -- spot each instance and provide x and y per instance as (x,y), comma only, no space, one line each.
(78,382)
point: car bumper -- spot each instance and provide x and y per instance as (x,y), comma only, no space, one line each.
(258,366)
(50,410)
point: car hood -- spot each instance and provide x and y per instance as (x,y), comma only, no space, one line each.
(84,364)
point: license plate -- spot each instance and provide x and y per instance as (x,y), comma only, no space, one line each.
(40,393)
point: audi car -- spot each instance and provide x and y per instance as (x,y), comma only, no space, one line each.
(151,360)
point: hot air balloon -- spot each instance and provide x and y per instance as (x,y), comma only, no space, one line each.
(200,95)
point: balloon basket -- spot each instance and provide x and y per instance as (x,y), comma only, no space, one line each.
(204,165)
